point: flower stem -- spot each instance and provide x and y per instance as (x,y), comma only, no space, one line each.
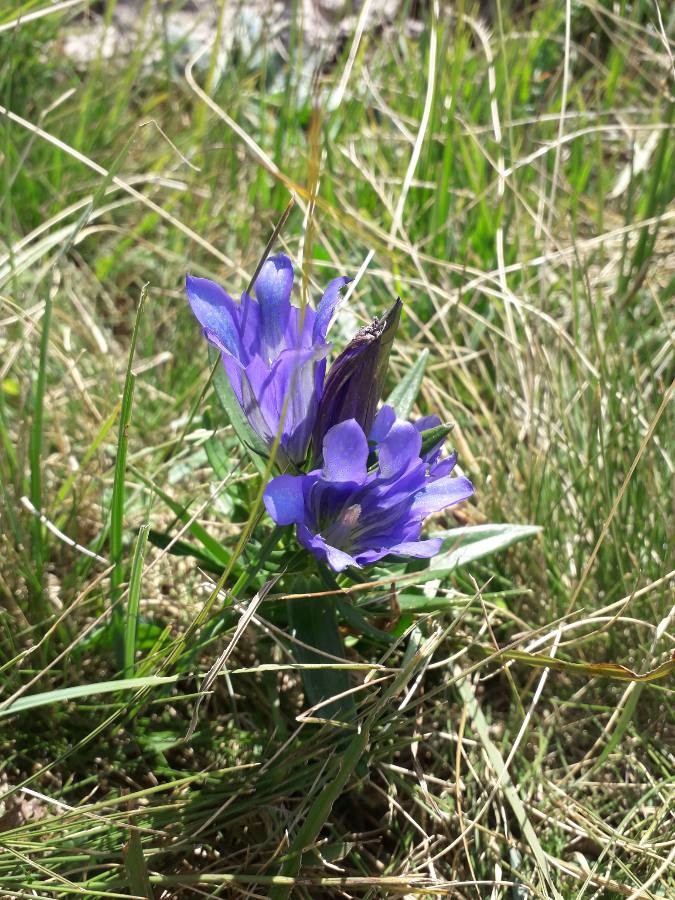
(313,622)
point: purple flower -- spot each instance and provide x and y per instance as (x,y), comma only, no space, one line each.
(349,515)
(274,353)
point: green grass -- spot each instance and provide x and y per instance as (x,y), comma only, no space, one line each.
(532,246)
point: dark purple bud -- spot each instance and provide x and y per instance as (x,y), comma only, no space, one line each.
(356,378)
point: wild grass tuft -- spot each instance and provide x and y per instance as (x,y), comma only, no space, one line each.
(508,170)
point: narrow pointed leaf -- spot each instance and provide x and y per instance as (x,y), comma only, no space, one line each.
(404,395)
(432,436)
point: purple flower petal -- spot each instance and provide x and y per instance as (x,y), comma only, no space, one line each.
(273,289)
(356,378)
(250,327)
(215,311)
(427,422)
(347,516)
(233,366)
(420,549)
(382,424)
(444,467)
(300,327)
(368,557)
(441,493)
(296,397)
(258,401)
(271,357)
(327,307)
(284,499)
(400,449)
(336,559)
(324,498)
(345,453)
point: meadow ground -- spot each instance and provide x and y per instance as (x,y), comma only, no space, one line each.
(509,173)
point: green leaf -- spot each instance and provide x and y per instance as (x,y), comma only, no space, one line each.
(403,397)
(462,546)
(447,599)
(119,493)
(341,766)
(136,867)
(99,640)
(419,603)
(219,458)
(355,618)
(92,449)
(61,695)
(313,621)
(432,436)
(257,450)
(134,601)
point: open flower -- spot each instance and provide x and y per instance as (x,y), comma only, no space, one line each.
(274,354)
(348,515)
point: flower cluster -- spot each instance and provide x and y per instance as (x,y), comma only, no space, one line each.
(375,480)
(349,513)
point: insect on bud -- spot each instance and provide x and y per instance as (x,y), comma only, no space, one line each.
(356,378)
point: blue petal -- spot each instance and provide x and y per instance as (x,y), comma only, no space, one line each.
(284,499)
(345,453)
(273,290)
(400,449)
(382,424)
(441,493)
(294,385)
(427,422)
(443,467)
(325,499)
(327,306)
(299,327)
(250,327)
(215,310)
(233,366)
(420,549)
(258,401)
(336,559)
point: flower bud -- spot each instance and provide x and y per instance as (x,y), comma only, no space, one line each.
(356,378)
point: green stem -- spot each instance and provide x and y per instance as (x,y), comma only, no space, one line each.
(313,621)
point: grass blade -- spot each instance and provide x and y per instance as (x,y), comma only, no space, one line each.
(118,495)
(62,695)
(36,432)
(134,601)
(137,869)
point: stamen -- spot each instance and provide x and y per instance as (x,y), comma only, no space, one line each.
(341,532)
(350,516)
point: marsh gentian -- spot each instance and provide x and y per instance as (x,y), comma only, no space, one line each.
(349,515)
(274,354)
